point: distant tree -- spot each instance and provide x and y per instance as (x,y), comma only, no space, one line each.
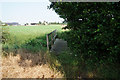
(0,23)
(26,23)
(40,22)
(5,34)
(45,23)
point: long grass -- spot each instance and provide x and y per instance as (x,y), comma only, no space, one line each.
(28,65)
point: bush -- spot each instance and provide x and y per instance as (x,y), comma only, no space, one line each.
(5,34)
(35,45)
(94,29)
(94,49)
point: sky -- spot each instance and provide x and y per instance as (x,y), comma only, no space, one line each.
(27,11)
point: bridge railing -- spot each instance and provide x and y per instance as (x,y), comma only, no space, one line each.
(51,38)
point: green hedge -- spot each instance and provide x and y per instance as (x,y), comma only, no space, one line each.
(94,29)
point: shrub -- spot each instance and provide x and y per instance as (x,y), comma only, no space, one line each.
(35,45)
(94,29)
(5,34)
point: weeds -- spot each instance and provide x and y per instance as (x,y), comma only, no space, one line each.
(35,45)
(28,65)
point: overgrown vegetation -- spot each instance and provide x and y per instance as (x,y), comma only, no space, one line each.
(93,35)
(83,66)
(35,45)
(5,34)
(28,65)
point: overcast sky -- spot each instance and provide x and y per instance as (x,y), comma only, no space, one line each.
(27,11)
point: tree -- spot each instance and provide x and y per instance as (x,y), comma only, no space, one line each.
(5,34)
(94,28)
(0,23)
(40,22)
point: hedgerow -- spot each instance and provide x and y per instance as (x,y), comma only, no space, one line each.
(94,29)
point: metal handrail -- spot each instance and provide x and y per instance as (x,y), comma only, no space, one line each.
(53,35)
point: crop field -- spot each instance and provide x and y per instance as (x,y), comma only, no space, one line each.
(22,33)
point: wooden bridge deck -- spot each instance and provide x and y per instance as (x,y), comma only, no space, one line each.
(59,46)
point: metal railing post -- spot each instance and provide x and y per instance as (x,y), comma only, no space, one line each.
(52,39)
(47,42)
(52,35)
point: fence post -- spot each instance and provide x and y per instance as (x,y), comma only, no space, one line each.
(52,35)
(52,39)
(47,42)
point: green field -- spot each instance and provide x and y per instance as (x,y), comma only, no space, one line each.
(22,34)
